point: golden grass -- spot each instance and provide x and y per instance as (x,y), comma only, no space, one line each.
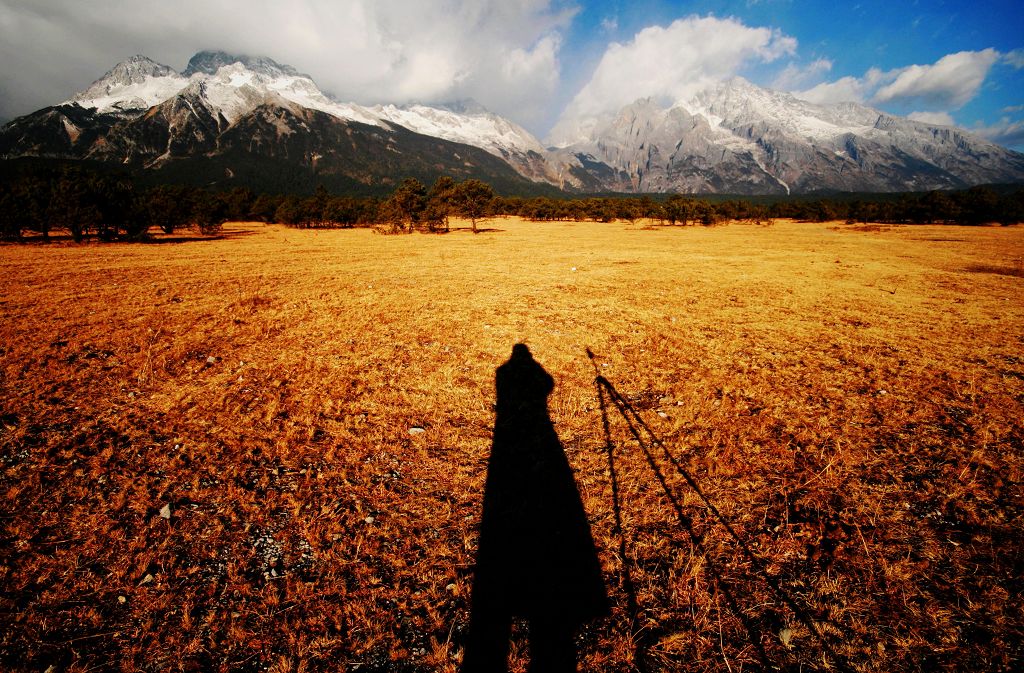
(850,399)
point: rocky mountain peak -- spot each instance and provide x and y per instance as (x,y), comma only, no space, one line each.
(133,70)
(133,84)
(209,62)
(466,106)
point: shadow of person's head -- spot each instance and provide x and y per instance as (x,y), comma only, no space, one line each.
(521,384)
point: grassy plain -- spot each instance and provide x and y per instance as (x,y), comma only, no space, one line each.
(850,398)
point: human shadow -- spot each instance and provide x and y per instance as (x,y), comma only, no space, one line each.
(536,558)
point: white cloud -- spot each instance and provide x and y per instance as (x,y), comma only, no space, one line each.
(523,68)
(794,76)
(937,118)
(945,85)
(1006,132)
(669,63)
(844,89)
(949,83)
(1014,58)
(502,52)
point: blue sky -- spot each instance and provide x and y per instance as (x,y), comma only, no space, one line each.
(545,63)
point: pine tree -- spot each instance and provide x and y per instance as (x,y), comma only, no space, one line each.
(473,200)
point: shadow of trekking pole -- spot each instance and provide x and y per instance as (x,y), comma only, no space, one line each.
(625,574)
(638,428)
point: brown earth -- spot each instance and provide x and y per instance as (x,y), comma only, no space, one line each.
(849,399)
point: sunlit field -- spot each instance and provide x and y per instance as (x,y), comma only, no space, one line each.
(267,450)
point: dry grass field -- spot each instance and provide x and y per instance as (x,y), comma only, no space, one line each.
(211,456)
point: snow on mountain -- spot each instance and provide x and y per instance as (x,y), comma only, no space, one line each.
(135,84)
(736,102)
(730,105)
(464,122)
(653,149)
(236,89)
(805,143)
(235,84)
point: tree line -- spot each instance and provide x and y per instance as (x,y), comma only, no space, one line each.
(85,203)
(88,204)
(91,204)
(977,205)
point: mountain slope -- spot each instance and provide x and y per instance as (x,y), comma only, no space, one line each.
(656,150)
(61,131)
(184,125)
(469,123)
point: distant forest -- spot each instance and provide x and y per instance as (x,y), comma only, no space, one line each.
(40,200)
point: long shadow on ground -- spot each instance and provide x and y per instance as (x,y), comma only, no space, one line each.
(537,559)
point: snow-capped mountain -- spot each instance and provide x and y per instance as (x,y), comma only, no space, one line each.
(241,118)
(232,86)
(731,137)
(740,138)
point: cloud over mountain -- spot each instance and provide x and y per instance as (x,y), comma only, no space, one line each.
(948,83)
(938,118)
(945,85)
(1005,132)
(502,51)
(669,63)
